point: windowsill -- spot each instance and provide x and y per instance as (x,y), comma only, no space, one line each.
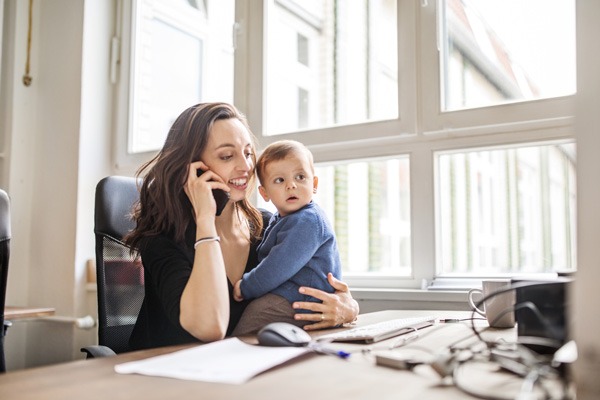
(441,290)
(452,296)
(441,293)
(361,294)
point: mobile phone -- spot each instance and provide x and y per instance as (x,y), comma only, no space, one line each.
(221,196)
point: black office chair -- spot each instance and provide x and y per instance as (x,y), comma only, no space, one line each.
(4,256)
(119,277)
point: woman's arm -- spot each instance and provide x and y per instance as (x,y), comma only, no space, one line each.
(336,308)
(204,305)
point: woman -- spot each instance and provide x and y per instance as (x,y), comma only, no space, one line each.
(190,255)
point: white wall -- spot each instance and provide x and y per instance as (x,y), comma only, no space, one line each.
(586,296)
(95,144)
(18,166)
(59,138)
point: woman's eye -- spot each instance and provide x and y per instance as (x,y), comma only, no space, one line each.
(249,155)
(226,157)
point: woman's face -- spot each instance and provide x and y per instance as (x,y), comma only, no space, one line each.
(229,153)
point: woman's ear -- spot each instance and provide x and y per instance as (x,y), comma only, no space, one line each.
(315,183)
(263,193)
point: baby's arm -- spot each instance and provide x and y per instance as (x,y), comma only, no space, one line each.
(237,291)
(298,239)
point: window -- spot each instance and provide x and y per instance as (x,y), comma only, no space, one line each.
(157,100)
(487,61)
(507,210)
(376,241)
(472,124)
(302,49)
(441,152)
(341,54)
(173,50)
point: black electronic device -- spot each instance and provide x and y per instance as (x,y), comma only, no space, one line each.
(541,311)
(221,197)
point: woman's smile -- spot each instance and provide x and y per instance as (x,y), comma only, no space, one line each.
(239,183)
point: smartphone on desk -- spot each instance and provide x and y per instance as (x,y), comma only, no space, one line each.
(221,196)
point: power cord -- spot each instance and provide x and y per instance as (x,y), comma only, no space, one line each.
(532,376)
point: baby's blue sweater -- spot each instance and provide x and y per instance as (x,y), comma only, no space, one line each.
(296,250)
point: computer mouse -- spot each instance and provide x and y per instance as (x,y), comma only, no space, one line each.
(279,334)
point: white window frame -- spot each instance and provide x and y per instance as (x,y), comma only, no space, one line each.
(420,131)
(124,163)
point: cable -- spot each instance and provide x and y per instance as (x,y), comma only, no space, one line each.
(528,305)
(458,382)
(522,373)
(535,369)
(533,381)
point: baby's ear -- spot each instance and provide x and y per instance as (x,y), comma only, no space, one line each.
(315,183)
(263,193)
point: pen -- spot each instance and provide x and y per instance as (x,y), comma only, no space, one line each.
(403,340)
(326,350)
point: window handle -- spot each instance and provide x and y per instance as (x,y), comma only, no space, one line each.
(235,31)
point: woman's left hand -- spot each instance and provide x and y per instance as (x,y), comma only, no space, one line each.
(336,308)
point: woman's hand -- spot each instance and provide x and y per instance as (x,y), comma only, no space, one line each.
(336,308)
(199,189)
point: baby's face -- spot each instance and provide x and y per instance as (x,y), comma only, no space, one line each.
(289,183)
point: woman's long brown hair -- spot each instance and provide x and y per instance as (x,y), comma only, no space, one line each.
(164,208)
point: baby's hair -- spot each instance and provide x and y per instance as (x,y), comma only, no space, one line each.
(278,151)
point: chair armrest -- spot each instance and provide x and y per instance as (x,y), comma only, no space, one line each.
(97,351)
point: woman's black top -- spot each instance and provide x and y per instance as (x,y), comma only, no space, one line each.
(167,268)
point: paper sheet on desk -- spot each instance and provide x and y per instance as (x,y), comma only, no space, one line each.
(225,361)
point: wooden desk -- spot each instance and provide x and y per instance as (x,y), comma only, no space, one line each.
(311,376)
(14,313)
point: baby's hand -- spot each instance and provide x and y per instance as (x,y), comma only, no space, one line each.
(237,291)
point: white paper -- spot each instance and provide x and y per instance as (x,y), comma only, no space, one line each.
(225,361)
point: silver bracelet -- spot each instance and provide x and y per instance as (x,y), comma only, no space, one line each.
(207,239)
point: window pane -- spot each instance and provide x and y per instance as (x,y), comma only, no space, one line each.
(160,99)
(507,210)
(341,55)
(178,46)
(368,204)
(499,51)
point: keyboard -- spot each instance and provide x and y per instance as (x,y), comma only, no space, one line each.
(380,331)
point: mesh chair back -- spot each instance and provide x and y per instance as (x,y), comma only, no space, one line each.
(4,256)
(120,278)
